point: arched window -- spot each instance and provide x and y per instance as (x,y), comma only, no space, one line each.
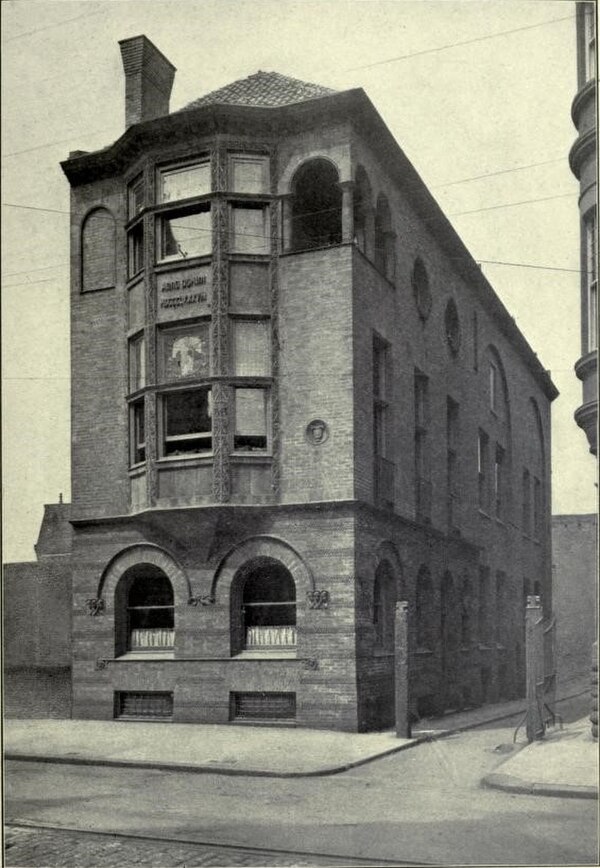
(316,206)
(384,602)
(263,603)
(98,251)
(424,610)
(144,611)
(384,238)
(466,623)
(363,217)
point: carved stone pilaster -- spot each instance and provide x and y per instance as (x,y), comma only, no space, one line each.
(150,332)
(151,422)
(218,165)
(275,341)
(220,296)
(221,467)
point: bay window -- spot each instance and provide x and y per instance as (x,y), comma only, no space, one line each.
(137,363)
(135,250)
(137,436)
(184,181)
(252,348)
(185,233)
(249,229)
(250,431)
(187,427)
(249,173)
(184,352)
(135,197)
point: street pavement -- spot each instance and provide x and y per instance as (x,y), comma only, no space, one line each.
(419,806)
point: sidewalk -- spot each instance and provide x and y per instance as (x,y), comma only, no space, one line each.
(564,763)
(285,752)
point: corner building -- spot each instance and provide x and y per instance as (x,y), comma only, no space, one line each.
(296,400)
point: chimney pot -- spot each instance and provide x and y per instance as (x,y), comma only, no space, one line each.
(148,80)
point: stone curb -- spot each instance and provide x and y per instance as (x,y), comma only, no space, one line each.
(513,784)
(151,765)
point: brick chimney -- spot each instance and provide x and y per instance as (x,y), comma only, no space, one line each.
(148,80)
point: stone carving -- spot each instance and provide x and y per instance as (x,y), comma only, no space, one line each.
(221,474)
(318,599)
(317,432)
(204,600)
(311,663)
(101,663)
(95,606)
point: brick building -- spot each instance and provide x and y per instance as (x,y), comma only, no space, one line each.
(295,400)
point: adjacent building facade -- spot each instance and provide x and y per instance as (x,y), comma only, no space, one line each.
(296,400)
(582,159)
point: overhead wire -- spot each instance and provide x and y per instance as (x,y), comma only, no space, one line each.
(457,44)
(50,26)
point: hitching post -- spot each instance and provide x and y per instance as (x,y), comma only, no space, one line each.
(401,669)
(534,663)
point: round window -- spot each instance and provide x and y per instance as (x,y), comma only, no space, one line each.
(421,290)
(452,327)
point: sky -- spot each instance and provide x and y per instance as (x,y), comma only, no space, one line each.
(482,113)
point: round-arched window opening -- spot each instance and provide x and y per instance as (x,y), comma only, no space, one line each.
(268,607)
(421,289)
(144,610)
(316,206)
(452,327)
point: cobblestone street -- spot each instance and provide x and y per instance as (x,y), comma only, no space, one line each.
(49,847)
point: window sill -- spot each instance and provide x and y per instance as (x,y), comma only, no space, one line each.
(273,653)
(150,654)
(187,460)
(137,469)
(179,262)
(246,256)
(252,457)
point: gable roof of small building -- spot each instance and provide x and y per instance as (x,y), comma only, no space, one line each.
(265,89)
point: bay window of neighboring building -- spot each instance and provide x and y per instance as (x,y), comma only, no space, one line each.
(186,422)
(591,281)
(589,31)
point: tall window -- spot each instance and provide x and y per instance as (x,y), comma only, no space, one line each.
(362,212)
(268,607)
(424,610)
(187,426)
(422,458)
(591,281)
(186,231)
(499,482)
(483,447)
(384,493)
(452,464)
(316,206)
(135,250)
(384,600)
(494,383)
(526,503)
(537,508)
